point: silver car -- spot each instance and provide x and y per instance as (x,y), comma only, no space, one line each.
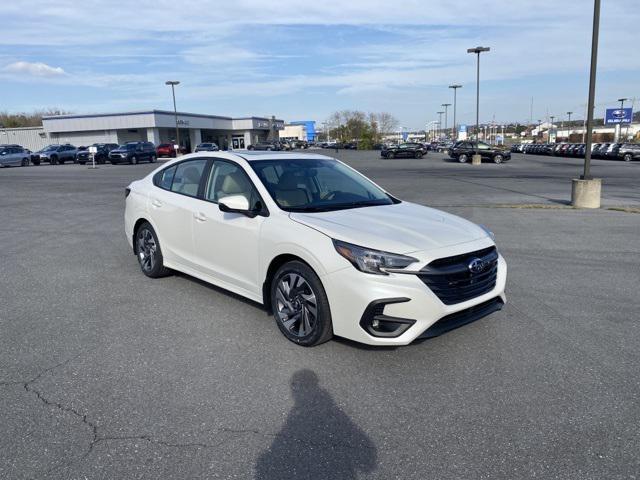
(14,155)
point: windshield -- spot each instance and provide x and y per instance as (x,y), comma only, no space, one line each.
(317,185)
(128,146)
(48,148)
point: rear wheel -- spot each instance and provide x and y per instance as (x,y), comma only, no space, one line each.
(53,160)
(36,162)
(463,158)
(300,305)
(391,155)
(147,249)
(627,157)
(418,155)
(498,158)
(25,162)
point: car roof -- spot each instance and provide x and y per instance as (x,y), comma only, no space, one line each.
(252,155)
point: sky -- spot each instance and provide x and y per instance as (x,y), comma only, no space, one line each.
(304,60)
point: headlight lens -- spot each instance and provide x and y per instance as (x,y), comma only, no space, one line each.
(371,261)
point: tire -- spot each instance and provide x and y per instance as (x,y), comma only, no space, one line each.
(53,160)
(61,161)
(148,252)
(463,158)
(498,158)
(82,163)
(36,162)
(25,162)
(391,155)
(133,160)
(153,159)
(627,157)
(418,155)
(296,288)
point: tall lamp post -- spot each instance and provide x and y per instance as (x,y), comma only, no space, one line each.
(477,51)
(454,127)
(173,84)
(552,117)
(585,191)
(439,123)
(568,126)
(446,110)
(621,100)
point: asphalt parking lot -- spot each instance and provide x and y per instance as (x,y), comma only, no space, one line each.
(107,374)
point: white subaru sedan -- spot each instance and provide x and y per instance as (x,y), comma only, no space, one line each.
(325,249)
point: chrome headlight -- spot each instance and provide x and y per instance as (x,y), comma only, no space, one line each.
(371,261)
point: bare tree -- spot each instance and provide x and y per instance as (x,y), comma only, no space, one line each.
(387,123)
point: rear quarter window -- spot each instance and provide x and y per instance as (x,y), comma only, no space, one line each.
(164,178)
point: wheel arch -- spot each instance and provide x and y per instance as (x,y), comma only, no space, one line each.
(273,267)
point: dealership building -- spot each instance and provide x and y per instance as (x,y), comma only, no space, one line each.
(157,126)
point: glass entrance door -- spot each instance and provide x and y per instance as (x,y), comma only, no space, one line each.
(238,143)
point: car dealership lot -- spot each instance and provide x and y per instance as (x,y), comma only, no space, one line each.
(107,374)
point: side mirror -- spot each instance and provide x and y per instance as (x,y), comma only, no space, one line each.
(235,204)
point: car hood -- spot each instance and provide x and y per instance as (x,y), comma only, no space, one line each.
(401,228)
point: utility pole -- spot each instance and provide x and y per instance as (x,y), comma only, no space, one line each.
(619,125)
(454,128)
(552,117)
(439,123)
(585,191)
(446,109)
(477,50)
(173,83)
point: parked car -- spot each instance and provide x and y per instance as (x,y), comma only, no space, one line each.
(101,156)
(206,147)
(267,146)
(629,151)
(600,151)
(404,150)
(166,150)
(612,151)
(311,239)
(133,153)
(14,155)
(56,154)
(463,151)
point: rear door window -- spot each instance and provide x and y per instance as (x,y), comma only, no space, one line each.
(186,179)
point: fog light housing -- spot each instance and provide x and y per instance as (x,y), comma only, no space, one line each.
(377,324)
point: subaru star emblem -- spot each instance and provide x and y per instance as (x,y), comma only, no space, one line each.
(476,265)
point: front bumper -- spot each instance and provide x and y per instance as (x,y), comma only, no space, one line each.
(352,292)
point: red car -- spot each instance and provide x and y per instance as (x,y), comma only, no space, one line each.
(166,150)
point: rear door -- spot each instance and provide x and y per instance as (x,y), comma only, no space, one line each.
(171,205)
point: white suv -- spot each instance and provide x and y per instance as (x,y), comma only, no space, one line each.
(323,247)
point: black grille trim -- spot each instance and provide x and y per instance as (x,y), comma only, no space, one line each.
(458,319)
(451,280)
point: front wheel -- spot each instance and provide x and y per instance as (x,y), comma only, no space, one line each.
(627,157)
(300,305)
(498,159)
(147,249)
(391,155)
(25,162)
(463,158)
(133,160)
(153,159)
(418,155)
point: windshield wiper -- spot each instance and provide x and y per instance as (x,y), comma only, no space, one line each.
(338,206)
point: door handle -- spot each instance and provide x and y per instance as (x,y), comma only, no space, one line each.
(156,203)
(200,217)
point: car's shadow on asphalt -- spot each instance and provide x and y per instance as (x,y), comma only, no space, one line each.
(318,439)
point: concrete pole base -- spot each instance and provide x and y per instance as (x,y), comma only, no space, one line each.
(476,160)
(586,193)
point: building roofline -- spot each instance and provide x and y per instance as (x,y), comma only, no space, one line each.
(150,112)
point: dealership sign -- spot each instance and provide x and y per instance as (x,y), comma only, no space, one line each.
(618,115)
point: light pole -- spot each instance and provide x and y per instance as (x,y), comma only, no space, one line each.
(568,126)
(173,84)
(455,92)
(477,51)
(621,100)
(585,192)
(446,110)
(552,117)
(439,123)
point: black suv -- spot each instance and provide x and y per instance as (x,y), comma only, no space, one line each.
(629,151)
(463,151)
(101,156)
(133,152)
(404,150)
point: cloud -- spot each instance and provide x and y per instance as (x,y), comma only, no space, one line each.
(34,69)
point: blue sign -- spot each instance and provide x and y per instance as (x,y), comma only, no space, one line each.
(618,115)
(405,135)
(462,128)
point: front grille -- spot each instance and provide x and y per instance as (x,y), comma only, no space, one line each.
(458,319)
(452,280)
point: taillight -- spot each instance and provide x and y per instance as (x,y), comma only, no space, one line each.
(127,191)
